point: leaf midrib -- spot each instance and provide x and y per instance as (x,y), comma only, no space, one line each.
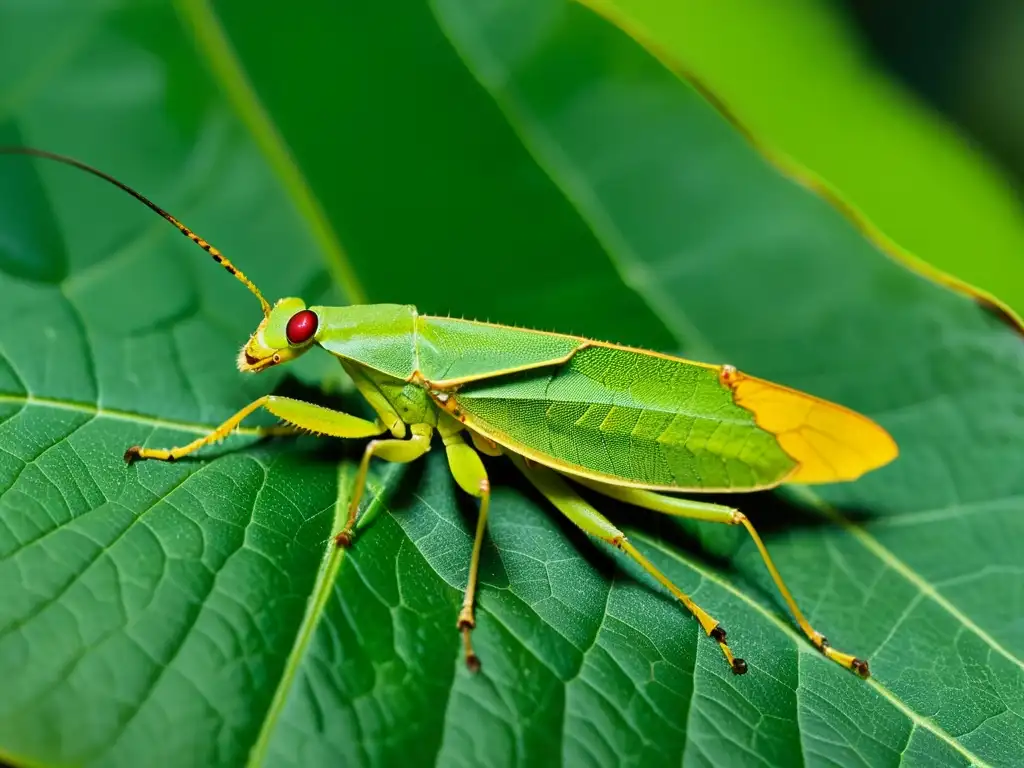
(92,409)
(329,568)
(213,45)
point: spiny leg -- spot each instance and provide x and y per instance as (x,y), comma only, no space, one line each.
(399,451)
(306,416)
(468,471)
(569,503)
(714,513)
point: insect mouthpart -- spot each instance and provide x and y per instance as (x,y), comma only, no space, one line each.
(250,363)
(257,355)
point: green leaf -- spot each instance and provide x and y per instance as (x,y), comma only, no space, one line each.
(797,77)
(519,161)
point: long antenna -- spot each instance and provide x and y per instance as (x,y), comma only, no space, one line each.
(217,255)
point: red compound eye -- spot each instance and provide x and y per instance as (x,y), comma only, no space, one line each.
(301,327)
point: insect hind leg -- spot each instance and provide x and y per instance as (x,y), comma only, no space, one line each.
(715,513)
(570,504)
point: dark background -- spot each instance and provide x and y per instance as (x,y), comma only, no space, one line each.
(965,58)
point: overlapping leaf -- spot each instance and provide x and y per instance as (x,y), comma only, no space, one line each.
(921,180)
(524,162)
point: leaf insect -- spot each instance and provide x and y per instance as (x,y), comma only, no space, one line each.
(630,424)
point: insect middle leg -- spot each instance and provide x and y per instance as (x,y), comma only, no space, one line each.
(714,513)
(393,450)
(313,418)
(468,471)
(570,504)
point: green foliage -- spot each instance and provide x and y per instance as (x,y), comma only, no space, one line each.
(518,161)
(796,75)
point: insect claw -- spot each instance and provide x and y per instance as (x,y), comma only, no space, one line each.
(472,660)
(860,668)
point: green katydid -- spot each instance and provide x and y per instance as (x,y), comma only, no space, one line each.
(630,424)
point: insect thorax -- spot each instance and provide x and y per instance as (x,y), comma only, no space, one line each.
(410,400)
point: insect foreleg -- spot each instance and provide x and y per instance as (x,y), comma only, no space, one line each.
(399,451)
(306,416)
(713,513)
(468,471)
(569,503)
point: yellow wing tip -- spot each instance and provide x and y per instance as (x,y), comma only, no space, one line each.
(874,448)
(829,442)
